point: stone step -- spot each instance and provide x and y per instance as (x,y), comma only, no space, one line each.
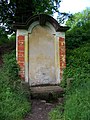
(46,92)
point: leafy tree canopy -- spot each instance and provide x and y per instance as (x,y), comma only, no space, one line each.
(80,29)
(17,9)
(79,19)
(20,10)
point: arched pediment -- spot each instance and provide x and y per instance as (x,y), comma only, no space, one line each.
(42,18)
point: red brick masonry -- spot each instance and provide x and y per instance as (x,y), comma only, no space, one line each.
(62,55)
(21,56)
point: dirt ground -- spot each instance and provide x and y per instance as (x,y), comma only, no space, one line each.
(41,108)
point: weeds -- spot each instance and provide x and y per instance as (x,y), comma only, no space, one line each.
(13,100)
(76,83)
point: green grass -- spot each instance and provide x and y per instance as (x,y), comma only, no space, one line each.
(76,83)
(14,103)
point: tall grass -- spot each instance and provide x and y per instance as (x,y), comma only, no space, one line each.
(76,83)
(13,100)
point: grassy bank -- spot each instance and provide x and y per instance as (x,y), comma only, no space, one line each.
(14,102)
(76,83)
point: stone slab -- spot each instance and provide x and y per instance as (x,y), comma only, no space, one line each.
(45,92)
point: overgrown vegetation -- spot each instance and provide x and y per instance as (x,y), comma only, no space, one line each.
(77,86)
(4,39)
(3,36)
(79,32)
(13,99)
(18,11)
(76,79)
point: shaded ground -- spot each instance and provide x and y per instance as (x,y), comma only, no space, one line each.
(6,48)
(44,99)
(1,61)
(41,108)
(49,92)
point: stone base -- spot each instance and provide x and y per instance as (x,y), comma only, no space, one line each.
(46,92)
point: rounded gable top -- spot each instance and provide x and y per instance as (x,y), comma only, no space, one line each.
(42,18)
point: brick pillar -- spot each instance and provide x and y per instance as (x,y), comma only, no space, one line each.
(21,55)
(62,55)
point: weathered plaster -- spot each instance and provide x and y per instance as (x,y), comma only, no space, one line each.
(41,57)
(60,34)
(31,27)
(26,58)
(48,25)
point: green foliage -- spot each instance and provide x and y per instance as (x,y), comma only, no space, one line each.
(78,67)
(46,6)
(3,36)
(19,11)
(80,29)
(4,39)
(76,79)
(12,37)
(76,83)
(79,19)
(13,99)
(56,113)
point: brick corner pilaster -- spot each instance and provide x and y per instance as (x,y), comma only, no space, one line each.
(62,55)
(21,55)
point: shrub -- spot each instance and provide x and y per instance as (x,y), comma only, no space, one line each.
(13,100)
(3,36)
(76,83)
(79,32)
